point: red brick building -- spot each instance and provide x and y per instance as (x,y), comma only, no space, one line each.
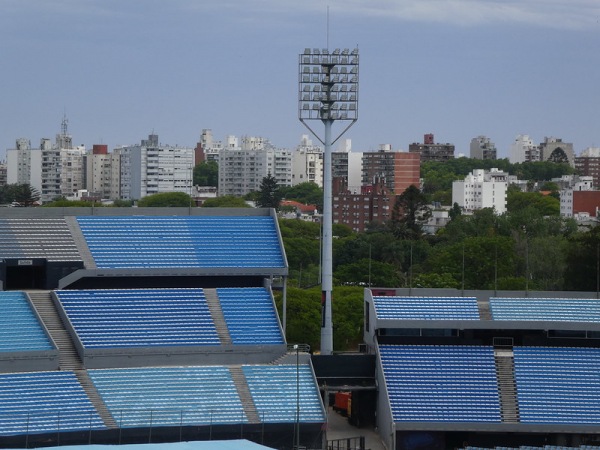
(373,204)
(395,170)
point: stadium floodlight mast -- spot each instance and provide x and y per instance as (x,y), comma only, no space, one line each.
(328,91)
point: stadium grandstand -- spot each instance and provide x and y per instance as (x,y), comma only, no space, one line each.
(142,325)
(485,369)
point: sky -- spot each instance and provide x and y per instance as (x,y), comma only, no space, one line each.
(122,69)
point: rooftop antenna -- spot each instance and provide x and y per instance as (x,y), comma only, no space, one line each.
(65,124)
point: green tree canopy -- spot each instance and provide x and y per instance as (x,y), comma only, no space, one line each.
(225,201)
(170,199)
(545,204)
(308,193)
(411,211)
(21,194)
(206,174)
(269,195)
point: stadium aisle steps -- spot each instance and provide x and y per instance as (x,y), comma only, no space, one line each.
(241,384)
(92,393)
(214,306)
(505,372)
(80,242)
(68,357)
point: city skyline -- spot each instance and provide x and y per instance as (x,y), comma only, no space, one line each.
(120,70)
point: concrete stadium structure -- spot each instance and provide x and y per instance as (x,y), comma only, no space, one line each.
(148,325)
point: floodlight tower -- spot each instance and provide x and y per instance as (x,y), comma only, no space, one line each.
(328,91)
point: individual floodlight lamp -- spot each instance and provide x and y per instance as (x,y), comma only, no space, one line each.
(328,91)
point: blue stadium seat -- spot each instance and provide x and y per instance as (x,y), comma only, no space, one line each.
(426,308)
(20,329)
(545,309)
(139,317)
(184,241)
(275,390)
(558,385)
(169,396)
(441,383)
(41,402)
(250,316)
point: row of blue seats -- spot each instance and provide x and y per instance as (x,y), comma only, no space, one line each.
(274,390)
(201,395)
(250,315)
(44,401)
(20,329)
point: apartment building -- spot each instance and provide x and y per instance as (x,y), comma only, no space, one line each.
(524,150)
(307,163)
(242,168)
(579,199)
(103,172)
(481,189)
(373,204)
(588,164)
(429,150)
(396,170)
(482,147)
(152,168)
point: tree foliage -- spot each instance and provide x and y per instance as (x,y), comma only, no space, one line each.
(19,194)
(166,199)
(411,211)
(206,174)
(225,201)
(269,195)
(308,193)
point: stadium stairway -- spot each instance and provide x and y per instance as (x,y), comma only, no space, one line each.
(505,372)
(484,310)
(80,242)
(68,356)
(214,306)
(241,384)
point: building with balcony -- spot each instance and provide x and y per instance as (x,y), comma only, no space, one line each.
(396,170)
(432,151)
(481,189)
(152,168)
(482,147)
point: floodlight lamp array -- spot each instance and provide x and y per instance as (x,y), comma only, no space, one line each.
(328,84)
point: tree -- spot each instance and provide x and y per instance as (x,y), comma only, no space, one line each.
(206,174)
(269,195)
(410,213)
(226,201)
(22,194)
(365,271)
(308,193)
(169,199)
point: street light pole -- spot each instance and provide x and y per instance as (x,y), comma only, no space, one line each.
(328,91)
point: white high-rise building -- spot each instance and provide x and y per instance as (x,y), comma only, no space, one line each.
(210,147)
(524,150)
(103,172)
(152,168)
(307,163)
(481,189)
(575,184)
(242,168)
(482,147)
(23,164)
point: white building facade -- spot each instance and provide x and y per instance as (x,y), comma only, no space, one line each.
(307,163)
(524,150)
(152,168)
(574,184)
(481,189)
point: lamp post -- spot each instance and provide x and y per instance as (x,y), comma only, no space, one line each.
(328,91)
(297,397)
